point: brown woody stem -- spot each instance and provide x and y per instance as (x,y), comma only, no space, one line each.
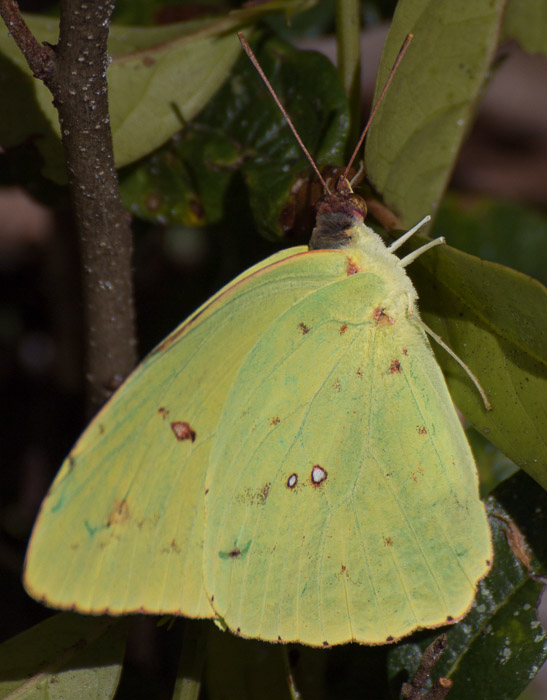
(414,689)
(75,73)
(39,58)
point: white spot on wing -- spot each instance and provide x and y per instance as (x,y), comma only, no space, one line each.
(318,474)
(292,481)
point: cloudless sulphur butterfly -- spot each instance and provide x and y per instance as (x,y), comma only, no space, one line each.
(288,461)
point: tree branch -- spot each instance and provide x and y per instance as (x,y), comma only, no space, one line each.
(39,58)
(75,73)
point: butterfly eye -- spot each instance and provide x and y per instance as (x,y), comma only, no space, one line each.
(358,205)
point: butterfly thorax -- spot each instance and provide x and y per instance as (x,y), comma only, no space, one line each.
(340,225)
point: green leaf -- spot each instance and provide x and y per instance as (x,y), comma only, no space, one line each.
(495,320)
(173,74)
(242,134)
(66,656)
(505,232)
(159,78)
(154,90)
(499,646)
(526,21)
(414,139)
(493,466)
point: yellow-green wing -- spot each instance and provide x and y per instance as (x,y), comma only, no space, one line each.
(342,498)
(122,527)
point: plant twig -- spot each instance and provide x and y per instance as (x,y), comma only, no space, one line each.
(75,73)
(413,690)
(40,58)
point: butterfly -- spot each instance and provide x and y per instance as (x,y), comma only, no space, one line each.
(288,461)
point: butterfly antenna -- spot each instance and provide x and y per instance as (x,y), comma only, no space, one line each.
(392,72)
(277,101)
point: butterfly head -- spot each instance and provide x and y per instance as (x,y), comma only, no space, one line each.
(337,213)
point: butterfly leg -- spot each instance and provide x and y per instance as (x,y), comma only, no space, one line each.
(399,242)
(403,262)
(410,308)
(462,364)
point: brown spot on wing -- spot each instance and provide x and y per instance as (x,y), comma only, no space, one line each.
(254,497)
(382,319)
(275,420)
(236,552)
(414,475)
(262,494)
(343,572)
(164,412)
(422,430)
(183,431)
(352,267)
(118,514)
(395,367)
(343,328)
(388,542)
(303,328)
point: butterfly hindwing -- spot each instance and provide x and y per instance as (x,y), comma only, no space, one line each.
(341,493)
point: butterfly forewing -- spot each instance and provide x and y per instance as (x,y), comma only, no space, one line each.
(123,521)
